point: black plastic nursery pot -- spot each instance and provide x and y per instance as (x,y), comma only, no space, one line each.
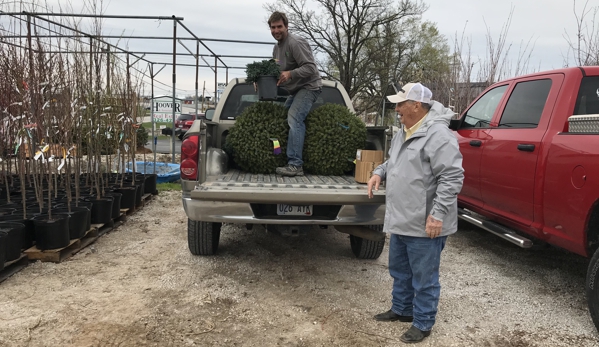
(101,210)
(116,204)
(80,205)
(28,235)
(87,205)
(3,236)
(150,183)
(267,88)
(14,239)
(77,221)
(51,233)
(139,193)
(128,194)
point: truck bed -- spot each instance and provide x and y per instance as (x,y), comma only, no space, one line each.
(238,178)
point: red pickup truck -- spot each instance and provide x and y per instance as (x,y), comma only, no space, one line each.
(531,160)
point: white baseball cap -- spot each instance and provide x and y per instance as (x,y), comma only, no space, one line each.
(414,92)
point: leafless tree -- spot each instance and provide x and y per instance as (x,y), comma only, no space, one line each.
(584,49)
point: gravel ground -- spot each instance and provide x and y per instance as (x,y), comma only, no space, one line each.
(139,286)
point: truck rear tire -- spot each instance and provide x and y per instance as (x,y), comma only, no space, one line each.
(367,249)
(592,288)
(203,237)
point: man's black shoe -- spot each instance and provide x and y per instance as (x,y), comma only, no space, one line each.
(414,335)
(391,316)
(290,170)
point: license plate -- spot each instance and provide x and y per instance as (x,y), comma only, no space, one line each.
(180,126)
(294,210)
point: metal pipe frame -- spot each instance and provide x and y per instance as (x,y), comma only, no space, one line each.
(100,38)
(143,38)
(91,15)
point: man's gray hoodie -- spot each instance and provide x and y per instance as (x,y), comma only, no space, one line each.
(423,176)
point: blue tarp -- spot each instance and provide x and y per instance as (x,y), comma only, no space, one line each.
(165,172)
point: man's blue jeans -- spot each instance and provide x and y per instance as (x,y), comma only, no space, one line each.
(414,265)
(299,106)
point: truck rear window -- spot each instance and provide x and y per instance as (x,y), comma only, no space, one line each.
(244,95)
(587,101)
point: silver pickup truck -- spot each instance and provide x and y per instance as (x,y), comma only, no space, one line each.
(214,193)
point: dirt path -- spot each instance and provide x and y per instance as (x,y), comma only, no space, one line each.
(140,286)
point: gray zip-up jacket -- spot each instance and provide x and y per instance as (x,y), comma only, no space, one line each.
(294,54)
(423,176)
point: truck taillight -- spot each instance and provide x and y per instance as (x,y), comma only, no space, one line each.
(189,158)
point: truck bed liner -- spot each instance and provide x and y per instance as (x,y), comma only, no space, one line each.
(237,178)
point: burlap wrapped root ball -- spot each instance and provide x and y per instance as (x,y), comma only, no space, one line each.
(333,135)
(249,141)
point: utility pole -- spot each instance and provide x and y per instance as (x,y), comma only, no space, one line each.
(203,95)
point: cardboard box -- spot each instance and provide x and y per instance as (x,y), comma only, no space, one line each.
(364,170)
(369,156)
(366,162)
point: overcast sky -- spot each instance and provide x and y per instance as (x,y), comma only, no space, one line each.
(544,23)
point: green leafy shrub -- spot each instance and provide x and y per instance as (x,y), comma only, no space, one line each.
(333,135)
(262,68)
(142,136)
(249,140)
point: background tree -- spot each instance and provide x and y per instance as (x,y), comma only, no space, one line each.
(584,49)
(407,51)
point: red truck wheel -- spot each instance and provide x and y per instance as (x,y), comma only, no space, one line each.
(367,249)
(592,287)
(203,237)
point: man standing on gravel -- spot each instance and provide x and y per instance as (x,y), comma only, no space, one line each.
(424,175)
(300,77)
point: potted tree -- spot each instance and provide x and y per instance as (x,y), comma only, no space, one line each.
(265,74)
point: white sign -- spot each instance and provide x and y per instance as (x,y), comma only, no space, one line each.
(221,88)
(163,109)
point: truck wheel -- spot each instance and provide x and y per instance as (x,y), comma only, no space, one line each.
(367,249)
(203,237)
(592,287)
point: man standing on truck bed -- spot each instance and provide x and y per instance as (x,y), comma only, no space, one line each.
(424,175)
(300,77)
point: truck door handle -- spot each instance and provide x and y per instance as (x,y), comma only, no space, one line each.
(526,147)
(475,143)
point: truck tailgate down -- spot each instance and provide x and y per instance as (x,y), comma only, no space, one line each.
(239,186)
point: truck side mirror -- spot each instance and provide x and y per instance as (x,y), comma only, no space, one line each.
(454,124)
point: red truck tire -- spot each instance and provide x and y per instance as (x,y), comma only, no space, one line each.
(592,288)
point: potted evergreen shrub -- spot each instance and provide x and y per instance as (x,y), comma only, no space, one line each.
(265,74)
